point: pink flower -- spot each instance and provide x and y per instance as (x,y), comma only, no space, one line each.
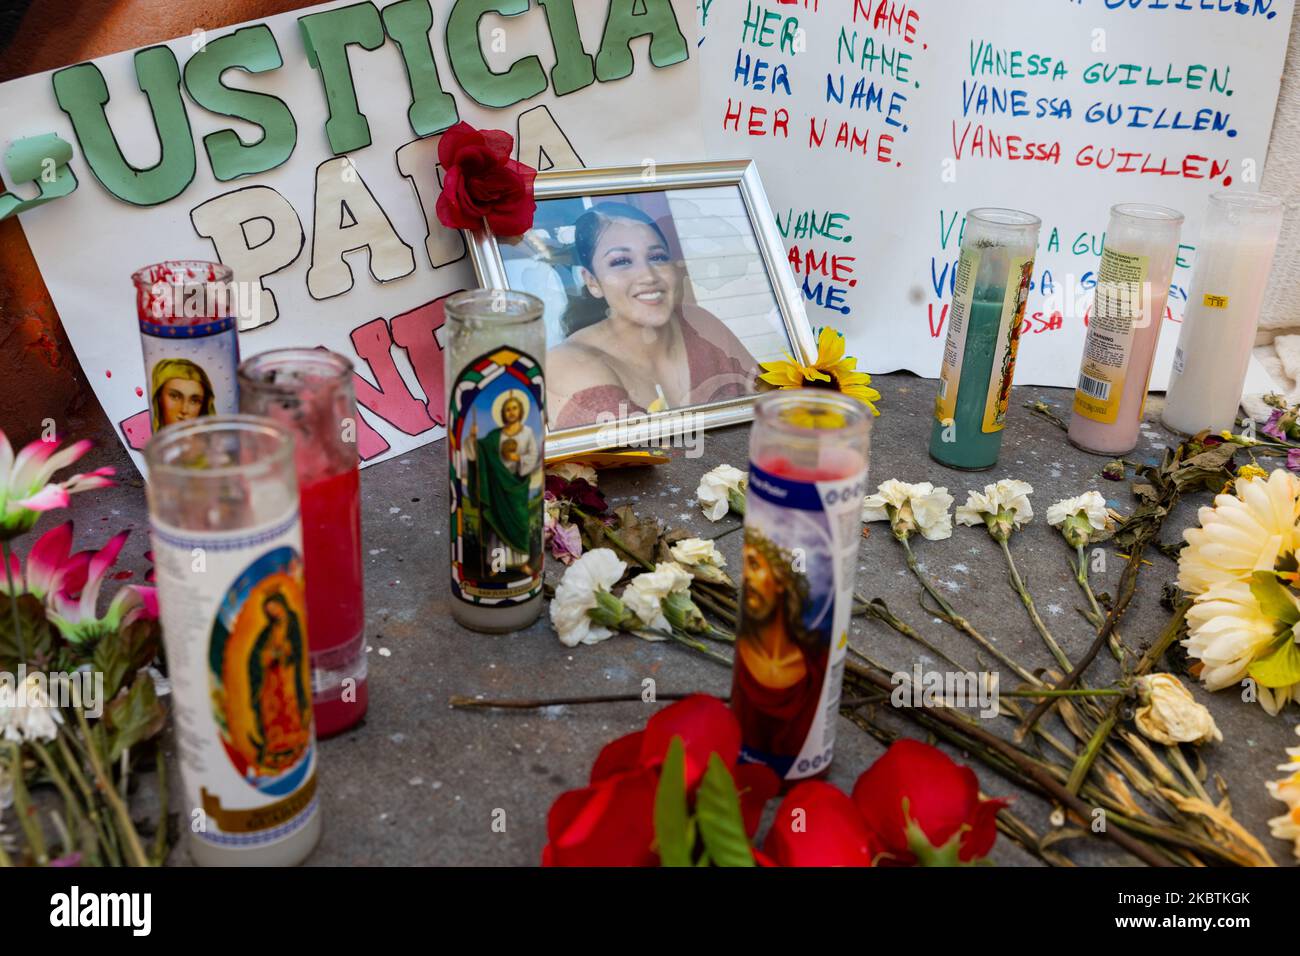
(72,604)
(46,566)
(25,486)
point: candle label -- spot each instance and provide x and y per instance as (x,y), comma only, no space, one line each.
(1215,301)
(799,564)
(1007,343)
(954,349)
(234,618)
(1118,307)
(495,471)
(189,370)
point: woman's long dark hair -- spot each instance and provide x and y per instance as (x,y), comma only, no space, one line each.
(586,234)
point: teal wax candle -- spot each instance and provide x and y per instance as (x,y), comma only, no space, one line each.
(990,289)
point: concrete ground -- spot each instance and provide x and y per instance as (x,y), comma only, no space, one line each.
(420,783)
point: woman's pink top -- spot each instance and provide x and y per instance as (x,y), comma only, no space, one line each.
(716,374)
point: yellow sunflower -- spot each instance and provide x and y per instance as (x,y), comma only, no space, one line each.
(832,369)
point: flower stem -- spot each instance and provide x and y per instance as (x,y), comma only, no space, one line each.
(460,702)
(1090,752)
(1095,614)
(959,622)
(13,603)
(103,832)
(159,852)
(1027,600)
(23,807)
(104,784)
(76,816)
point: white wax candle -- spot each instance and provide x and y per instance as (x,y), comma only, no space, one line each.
(1233,259)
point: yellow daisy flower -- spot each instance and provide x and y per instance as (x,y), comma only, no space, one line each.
(831,369)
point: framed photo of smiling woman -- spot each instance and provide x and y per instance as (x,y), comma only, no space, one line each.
(664,288)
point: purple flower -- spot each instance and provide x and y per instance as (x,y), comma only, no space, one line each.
(1293,460)
(1273,428)
(566,543)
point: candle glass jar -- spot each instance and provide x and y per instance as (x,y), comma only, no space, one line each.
(1137,264)
(808,456)
(310,392)
(187,314)
(990,290)
(227,546)
(494,343)
(1233,260)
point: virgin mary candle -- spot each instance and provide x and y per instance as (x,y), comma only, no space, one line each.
(227,544)
(1233,259)
(1137,264)
(494,343)
(979,358)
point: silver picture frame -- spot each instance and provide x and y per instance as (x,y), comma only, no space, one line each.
(656,427)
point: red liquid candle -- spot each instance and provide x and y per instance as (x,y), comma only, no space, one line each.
(807,475)
(310,391)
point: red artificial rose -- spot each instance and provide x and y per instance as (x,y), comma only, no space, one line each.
(611,821)
(706,726)
(818,825)
(480,181)
(923,808)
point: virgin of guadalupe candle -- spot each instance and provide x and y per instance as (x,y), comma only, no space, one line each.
(1233,259)
(187,315)
(991,287)
(310,392)
(494,343)
(808,454)
(227,546)
(1137,264)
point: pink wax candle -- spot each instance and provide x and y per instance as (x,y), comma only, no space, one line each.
(1137,264)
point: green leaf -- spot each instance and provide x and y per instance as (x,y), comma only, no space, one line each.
(133,716)
(1274,599)
(717,806)
(38,635)
(1281,666)
(672,823)
(118,656)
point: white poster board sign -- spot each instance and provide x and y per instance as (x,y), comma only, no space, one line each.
(878,123)
(341,236)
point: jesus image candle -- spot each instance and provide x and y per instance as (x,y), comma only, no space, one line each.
(494,343)
(803,511)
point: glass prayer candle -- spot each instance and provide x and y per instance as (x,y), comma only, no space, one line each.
(187,314)
(310,392)
(496,414)
(1233,259)
(991,287)
(808,454)
(1137,264)
(227,546)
